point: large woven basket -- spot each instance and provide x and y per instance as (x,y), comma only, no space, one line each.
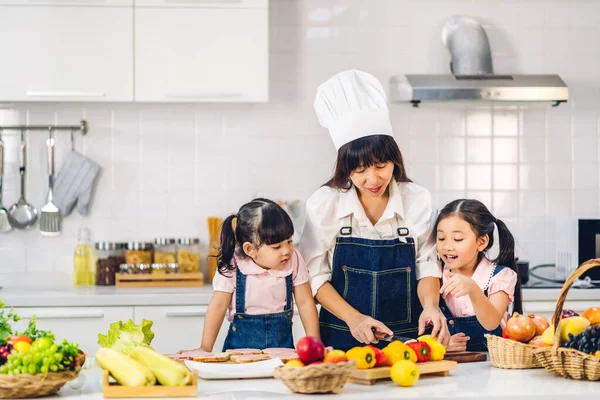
(319,378)
(21,386)
(569,363)
(510,354)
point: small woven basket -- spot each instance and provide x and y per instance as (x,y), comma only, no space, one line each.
(569,363)
(319,378)
(22,386)
(510,354)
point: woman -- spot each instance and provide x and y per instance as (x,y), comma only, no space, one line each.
(368,238)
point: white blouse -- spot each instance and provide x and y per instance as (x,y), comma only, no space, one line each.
(409,204)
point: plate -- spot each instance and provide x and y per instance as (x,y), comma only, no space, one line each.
(259,369)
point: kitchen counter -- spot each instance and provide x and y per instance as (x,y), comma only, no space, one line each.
(473,380)
(62,296)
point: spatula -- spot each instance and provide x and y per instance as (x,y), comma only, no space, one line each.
(5,225)
(50,220)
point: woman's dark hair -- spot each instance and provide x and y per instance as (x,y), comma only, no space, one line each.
(476,214)
(259,222)
(365,152)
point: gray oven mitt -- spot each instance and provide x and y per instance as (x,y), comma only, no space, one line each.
(75,183)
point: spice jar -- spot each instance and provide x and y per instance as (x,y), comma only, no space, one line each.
(138,253)
(188,254)
(159,268)
(110,257)
(165,251)
(144,269)
(172,268)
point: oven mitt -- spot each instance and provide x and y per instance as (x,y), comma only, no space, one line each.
(75,183)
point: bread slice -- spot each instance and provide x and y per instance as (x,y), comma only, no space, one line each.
(278,350)
(243,351)
(249,358)
(212,358)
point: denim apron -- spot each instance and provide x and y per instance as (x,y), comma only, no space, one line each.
(260,331)
(376,277)
(469,325)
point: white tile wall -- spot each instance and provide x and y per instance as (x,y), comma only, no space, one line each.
(168,167)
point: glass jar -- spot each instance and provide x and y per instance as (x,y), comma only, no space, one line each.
(165,251)
(159,268)
(173,268)
(110,257)
(144,268)
(138,253)
(188,254)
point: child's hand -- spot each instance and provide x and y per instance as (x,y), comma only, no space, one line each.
(458,342)
(458,285)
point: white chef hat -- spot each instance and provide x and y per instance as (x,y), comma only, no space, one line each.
(352,104)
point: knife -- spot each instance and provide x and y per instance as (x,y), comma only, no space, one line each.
(390,338)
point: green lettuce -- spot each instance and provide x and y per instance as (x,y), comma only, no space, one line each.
(124,337)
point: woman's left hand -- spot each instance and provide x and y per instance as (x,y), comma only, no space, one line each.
(457,286)
(434,316)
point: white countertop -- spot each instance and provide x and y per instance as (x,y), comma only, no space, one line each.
(62,296)
(472,380)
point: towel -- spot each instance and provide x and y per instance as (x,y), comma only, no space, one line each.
(74,184)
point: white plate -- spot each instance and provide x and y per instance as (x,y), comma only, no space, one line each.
(259,369)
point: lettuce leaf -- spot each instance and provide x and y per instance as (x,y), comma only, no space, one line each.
(124,337)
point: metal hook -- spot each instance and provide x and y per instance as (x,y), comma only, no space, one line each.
(50,132)
(72,141)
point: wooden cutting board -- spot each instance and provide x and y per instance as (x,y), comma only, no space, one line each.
(373,375)
(466,356)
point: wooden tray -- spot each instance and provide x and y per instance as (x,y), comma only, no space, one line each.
(114,390)
(373,375)
(466,356)
(160,280)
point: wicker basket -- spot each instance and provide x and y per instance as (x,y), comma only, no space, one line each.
(21,386)
(569,363)
(319,378)
(509,354)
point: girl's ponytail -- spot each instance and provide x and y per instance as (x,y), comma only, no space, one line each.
(227,246)
(506,257)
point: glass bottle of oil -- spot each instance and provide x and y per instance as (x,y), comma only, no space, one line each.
(84,273)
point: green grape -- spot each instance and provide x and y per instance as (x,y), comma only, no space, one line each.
(58,357)
(53,368)
(10,373)
(37,358)
(32,369)
(44,369)
(16,371)
(46,361)
(24,369)
(54,348)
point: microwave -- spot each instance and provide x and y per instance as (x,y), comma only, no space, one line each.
(577,241)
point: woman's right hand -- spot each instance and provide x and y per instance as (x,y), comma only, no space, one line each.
(458,342)
(363,328)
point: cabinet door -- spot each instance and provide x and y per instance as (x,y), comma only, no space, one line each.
(80,325)
(178,327)
(201,54)
(66,53)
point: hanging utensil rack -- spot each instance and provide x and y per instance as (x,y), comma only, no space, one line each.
(82,127)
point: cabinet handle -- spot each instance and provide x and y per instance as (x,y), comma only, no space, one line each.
(184,314)
(34,93)
(192,96)
(56,315)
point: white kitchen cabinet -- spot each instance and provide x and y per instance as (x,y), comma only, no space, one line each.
(208,51)
(80,325)
(66,50)
(178,327)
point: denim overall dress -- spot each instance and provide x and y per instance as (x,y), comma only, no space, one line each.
(376,277)
(260,331)
(469,325)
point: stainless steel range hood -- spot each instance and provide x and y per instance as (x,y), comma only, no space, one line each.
(472,77)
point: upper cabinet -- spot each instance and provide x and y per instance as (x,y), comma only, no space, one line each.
(201,51)
(76,50)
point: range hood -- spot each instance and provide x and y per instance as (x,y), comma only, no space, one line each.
(472,77)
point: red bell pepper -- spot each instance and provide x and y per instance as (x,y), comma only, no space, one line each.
(422,349)
(379,356)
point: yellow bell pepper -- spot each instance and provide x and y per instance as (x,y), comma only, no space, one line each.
(397,351)
(437,349)
(364,357)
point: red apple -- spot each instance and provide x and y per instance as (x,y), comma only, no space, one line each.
(310,349)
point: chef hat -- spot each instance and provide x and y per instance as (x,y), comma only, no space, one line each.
(352,104)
